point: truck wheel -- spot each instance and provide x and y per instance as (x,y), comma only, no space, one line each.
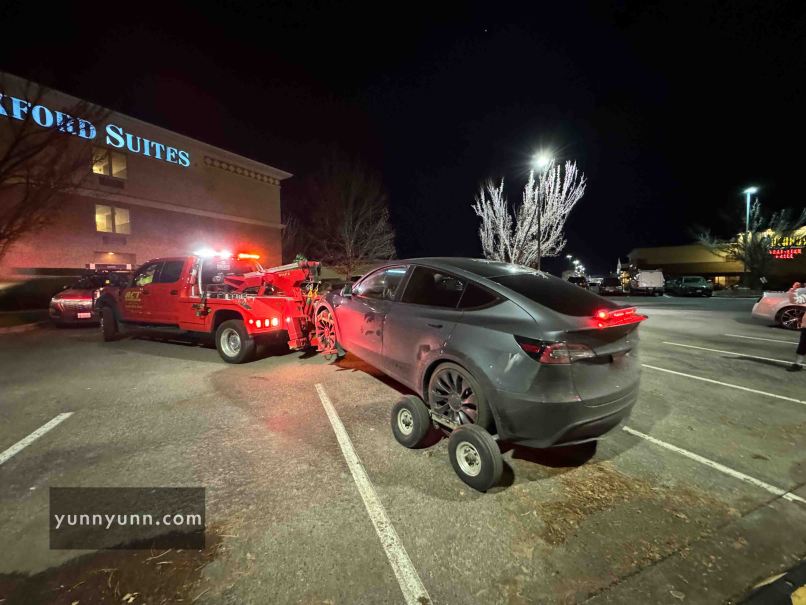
(411,421)
(233,342)
(109,324)
(475,457)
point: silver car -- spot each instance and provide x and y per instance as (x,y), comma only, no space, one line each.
(535,359)
(777,308)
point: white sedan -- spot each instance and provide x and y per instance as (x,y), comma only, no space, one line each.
(776,307)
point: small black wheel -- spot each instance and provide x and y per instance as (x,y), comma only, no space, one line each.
(109,324)
(233,342)
(411,421)
(475,457)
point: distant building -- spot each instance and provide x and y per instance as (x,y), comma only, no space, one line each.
(151,192)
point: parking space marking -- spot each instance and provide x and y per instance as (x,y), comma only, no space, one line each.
(724,384)
(789,342)
(412,587)
(23,443)
(786,495)
(677,344)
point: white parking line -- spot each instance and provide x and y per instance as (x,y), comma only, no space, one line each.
(720,467)
(412,587)
(677,344)
(789,342)
(23,443)
(724,384)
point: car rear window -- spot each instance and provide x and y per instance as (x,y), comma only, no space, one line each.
(611,281)
(556,294)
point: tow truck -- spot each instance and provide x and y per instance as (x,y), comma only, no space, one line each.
(221,295)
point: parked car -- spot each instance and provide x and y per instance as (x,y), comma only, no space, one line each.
(691,285)
(776,307)
(610,285)
(76,303)
(647,281)
(535,358)
(579,280)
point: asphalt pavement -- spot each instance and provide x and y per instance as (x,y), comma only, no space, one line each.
(697,499)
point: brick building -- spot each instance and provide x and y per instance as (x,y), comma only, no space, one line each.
(149,192)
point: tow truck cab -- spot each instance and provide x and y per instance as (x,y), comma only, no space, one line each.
(201,293)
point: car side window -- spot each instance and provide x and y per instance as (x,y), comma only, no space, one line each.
(381,285)
(171,270)
(434,288)
(145,274)
(476,296)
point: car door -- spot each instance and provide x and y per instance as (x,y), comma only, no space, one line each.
(134,300)
(361,315)
(162,301)
(421,323)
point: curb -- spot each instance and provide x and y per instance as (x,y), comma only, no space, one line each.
(21,328)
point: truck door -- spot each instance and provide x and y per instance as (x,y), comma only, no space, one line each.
(361,316)
(163,293)
(420,323)
(134,305)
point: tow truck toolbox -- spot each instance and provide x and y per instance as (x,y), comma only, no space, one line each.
(231,298)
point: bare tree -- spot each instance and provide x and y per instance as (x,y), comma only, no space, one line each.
(44,155)
(752,247)
(349,221)
(535,228)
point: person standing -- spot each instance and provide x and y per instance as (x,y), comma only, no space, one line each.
(797,296)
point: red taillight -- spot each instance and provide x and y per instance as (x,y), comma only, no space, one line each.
(607,318)
(551,353)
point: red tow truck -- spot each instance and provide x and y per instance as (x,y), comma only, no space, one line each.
(229,297)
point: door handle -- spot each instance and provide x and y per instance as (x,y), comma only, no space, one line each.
(435,325)
(174,292)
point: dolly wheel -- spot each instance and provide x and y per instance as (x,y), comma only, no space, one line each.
(411,421)
(475,457)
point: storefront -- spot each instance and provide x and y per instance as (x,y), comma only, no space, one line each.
(149,192)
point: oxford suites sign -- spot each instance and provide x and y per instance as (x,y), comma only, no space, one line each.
(115,136)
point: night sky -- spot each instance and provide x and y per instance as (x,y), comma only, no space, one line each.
(670,108)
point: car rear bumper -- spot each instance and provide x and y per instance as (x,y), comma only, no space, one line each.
(71,317)
(540,424)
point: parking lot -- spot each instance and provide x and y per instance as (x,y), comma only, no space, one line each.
(700,496)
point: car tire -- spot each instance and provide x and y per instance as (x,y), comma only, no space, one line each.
(789,318)
(109,324)
(484,417)
(326,328)
(475,457)
(233,342)
(411,421)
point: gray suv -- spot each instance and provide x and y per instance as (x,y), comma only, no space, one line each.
(520,353)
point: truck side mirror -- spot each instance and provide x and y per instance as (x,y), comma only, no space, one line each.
(347,291)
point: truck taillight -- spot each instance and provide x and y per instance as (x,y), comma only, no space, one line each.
(607,318)
(552,353)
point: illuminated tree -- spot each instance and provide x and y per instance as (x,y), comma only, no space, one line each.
(535,228)
(38,165)
(752,247)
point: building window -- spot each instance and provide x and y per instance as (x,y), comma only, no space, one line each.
(108,162)
(110,219)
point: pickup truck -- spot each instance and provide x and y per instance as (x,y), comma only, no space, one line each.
(231,298)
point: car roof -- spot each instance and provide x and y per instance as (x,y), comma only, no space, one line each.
(480,267)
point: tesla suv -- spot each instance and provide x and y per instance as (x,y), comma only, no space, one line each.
(534,358)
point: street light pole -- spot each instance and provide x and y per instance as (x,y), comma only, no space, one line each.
(540,162)
(748,193)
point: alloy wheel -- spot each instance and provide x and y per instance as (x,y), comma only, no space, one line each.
(231,342)
(326,331)
(791,318)
(452,395)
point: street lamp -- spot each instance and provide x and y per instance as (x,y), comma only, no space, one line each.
(541,161)
(750,191)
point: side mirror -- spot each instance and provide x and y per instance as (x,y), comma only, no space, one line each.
(347,291)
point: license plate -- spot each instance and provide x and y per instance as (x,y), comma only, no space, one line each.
(83,315)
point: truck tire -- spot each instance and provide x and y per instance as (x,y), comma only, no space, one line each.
(233,342)
(475,457)
(411,421)
(109,324)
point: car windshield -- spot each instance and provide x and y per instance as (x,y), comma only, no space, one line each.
(611,281)
(554,293)
(577,280)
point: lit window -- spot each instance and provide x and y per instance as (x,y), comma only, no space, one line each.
(110,219)
(108,163)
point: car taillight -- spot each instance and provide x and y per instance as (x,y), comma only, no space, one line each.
(607,318)
(551,353)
